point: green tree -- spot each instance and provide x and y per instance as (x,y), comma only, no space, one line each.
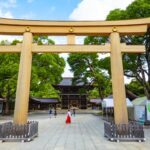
(9,64)
(117,14)
(136,87)
(86,69)
(46,71)
(138,9)
(136,66)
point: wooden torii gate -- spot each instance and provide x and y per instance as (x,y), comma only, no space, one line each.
(114,29)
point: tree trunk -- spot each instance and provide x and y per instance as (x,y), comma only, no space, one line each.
(6,111)
(7,101)
(100,92)
(130,95)
(147,91)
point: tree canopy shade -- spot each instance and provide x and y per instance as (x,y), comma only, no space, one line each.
(136,66)
(46,71)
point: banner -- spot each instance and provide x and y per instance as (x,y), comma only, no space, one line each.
(148,109)
(139,113)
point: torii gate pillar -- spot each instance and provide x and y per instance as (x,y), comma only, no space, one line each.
(120,107)
(23,85)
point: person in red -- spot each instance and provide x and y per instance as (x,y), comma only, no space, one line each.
(68,118)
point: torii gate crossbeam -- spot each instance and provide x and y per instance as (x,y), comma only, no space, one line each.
(114,29)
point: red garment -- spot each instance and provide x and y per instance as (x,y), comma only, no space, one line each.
(68,119)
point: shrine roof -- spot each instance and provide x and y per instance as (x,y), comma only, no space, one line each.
(45,100)
(68,82)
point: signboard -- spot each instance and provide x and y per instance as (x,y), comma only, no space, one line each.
(139,112)
(148,109)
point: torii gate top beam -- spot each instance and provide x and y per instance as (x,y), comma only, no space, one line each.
(96,28)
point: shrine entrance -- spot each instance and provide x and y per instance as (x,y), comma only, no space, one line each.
(113,29)
(74,103)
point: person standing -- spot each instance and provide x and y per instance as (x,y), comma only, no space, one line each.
(68,118)
(74,111)
(50,111)
(55,112)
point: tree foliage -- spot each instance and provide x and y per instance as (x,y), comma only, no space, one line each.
(9,64)
(86,69)
(46,71)
(136,66)
(136,87)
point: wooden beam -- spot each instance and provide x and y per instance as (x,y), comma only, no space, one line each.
(132,48)
(120,106)
(71,48)
(10,48)
(79,30)
(23,84)
(71,38)
(97,28)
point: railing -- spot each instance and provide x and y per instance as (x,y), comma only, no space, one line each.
(124,132)
(14,132)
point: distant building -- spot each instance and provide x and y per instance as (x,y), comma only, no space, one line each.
(42,103)
(71,94)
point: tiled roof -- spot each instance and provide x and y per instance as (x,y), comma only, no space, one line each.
(68,82)
(1,99)
(45,100)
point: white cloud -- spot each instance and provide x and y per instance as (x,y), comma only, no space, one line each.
(4,8)
(6,14)
(8,4)
(96,9)
(10,38)
(67,72)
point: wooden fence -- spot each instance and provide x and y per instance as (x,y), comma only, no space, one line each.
(124,132)
(14,132)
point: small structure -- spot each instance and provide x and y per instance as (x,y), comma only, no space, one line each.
(109,103)
(95,103)
(42,103)
(108,107)
(72,94)
(142,110)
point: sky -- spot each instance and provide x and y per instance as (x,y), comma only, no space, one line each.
(59,10)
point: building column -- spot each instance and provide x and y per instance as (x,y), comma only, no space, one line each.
(23,84)
(118,87)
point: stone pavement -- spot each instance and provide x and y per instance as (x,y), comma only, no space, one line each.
(85,133)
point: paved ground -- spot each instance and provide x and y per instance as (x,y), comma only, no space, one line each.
(85,133)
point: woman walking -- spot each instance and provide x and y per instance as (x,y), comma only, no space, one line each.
(68,118)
